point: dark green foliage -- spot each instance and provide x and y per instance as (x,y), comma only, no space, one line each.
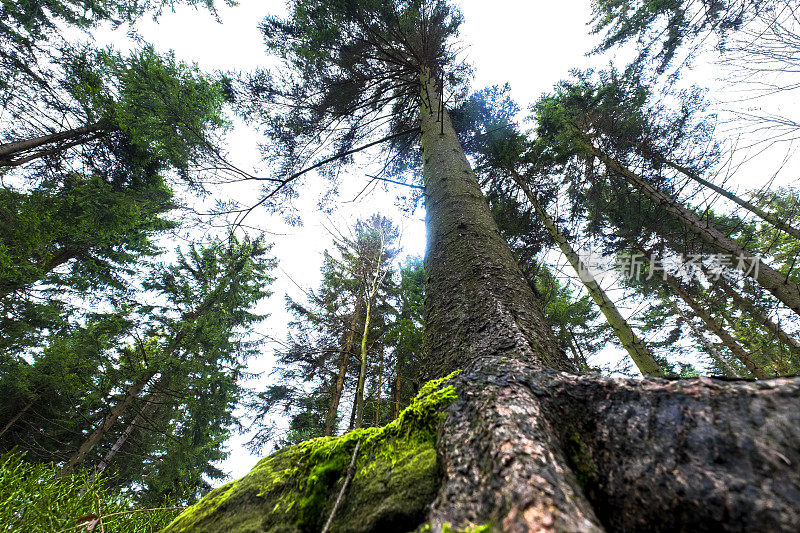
(27,27)
(137,115)
(189,350)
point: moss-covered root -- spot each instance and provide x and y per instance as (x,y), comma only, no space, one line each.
(294,489)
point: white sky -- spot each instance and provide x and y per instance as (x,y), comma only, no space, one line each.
(530,44)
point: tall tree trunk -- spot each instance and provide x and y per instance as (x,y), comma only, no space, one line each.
(636,348)
(715,327)
(378,391)
(15,418)
(18,152)
(475,292)
(531,448)
(344,358)
(768,217)
(722,362)
(480,311)
(108,422)
(779,285)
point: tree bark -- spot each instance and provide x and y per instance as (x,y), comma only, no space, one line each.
(532,449)
(17,152)
(779,285)
(477,303)
(636,348)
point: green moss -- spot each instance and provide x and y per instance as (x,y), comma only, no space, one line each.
(294,489)
(580,458)
(447,528)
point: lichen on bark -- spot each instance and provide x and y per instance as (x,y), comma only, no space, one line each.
(293,490)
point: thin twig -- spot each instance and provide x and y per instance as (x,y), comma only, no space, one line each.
(351,469)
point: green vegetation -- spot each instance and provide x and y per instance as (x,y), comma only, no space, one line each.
(294,489)
(38,497)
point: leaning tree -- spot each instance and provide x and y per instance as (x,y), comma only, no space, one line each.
(529,444)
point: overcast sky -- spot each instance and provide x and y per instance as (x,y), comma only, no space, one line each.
(529,44)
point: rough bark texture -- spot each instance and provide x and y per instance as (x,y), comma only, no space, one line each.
(477,303)
(527,448)
(622,454)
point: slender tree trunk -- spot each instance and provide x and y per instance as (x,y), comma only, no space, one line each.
(108,422)
(782,288)
(16,417)
(741,354)
(373,292)
(636,348)
(122,439)
(768,217)
(759,316)
(344,358)
(13,153)
(398,382)
(722,362)
(580,359)
(362,373)
(378,391)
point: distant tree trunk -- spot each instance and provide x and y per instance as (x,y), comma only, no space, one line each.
(97,435)
(15,418)
(398,383)
(768,217)
(378,391)
(344,357)
(19,152)
(636,348)
(373,291)
(122,439)
(760,317)
(782,288)
(715,327)
(722,362)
